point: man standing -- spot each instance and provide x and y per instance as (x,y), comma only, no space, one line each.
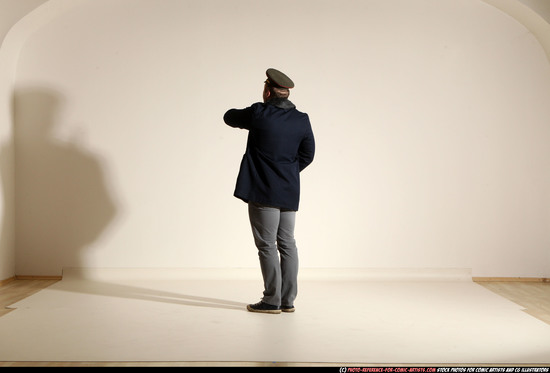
(280,145)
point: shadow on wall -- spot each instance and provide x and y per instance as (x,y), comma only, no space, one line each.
(62,204)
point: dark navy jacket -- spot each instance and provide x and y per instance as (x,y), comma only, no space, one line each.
(280,145)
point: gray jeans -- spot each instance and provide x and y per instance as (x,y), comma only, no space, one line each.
(273,231)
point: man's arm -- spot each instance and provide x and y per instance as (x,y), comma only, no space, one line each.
(239,118)
(306,152)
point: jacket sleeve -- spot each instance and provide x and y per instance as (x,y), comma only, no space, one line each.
(239,118)
(306,152)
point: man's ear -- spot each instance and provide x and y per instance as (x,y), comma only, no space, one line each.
(266,94)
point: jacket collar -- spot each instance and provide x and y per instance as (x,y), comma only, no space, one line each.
(282,103)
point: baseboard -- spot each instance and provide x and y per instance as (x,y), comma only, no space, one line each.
(7,281)
(474,279)
(22,277)
(510,279)
(305,274)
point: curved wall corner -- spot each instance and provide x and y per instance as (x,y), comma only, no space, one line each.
(13,11)
(542,7)
(18,22)
(528,16)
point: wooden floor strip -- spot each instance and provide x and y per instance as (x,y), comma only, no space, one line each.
(510,279)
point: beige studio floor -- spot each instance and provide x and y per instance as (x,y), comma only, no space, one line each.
(359,317)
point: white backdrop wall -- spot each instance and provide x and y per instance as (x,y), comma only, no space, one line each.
(431,119)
